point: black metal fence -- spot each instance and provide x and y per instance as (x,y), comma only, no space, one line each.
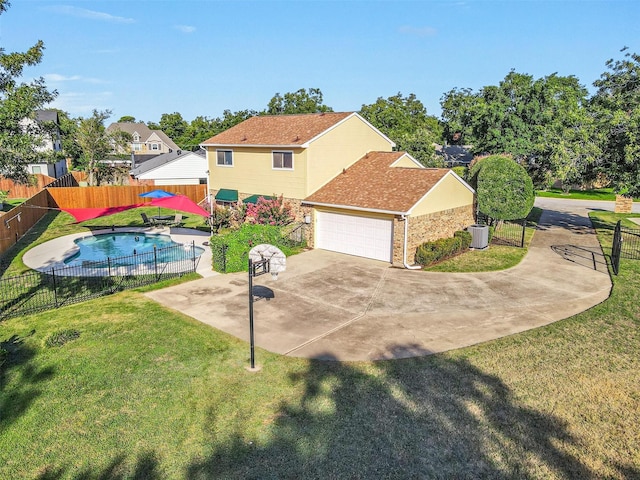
(44,290)
(504,232)
(626,244)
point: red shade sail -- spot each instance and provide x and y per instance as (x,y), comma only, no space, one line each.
(182,203)
(82,214)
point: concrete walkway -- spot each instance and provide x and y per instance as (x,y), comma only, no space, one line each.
(338,307)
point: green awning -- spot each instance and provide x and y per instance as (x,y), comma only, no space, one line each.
(226,195)
(254,198)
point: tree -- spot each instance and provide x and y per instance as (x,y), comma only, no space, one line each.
(68,127)
(302,101)
(173,125)
(504,189)
(405,121)
(544,124)
(127,119)
(96,144)
(616,106)
(19,131)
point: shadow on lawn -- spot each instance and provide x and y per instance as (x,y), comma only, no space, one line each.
(24,390)
(146,468)
(416,418)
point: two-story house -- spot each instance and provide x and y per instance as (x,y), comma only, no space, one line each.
(50,142)
(341,173)
(145,143)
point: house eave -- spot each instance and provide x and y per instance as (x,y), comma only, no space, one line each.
(351,207)
(233,145)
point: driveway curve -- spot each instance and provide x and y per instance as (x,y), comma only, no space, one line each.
(338,307)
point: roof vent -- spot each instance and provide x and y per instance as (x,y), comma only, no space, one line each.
(297,138)
(244,138)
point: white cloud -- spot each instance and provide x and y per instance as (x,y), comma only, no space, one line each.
(90,14)
(418,31)
(57,78)
(82,104)
(185,28)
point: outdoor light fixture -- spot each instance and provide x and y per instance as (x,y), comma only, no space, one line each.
(307,219)
(6,222)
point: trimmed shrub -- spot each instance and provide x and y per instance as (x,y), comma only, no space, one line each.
(504,188)
(432,252)
(465,237)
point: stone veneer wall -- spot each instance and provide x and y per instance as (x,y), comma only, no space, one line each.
(623,204)
(427,228)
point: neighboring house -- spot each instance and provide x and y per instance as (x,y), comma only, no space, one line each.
(455,155)
(50,141)
(341,173)
(145,143)
(175,168)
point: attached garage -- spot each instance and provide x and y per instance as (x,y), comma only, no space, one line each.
(362,236)
(387,204)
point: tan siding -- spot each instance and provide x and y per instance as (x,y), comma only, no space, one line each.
(405,162)
(340,148)
(252,172)
(358,213)
(446,195)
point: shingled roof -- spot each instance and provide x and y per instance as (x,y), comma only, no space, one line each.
(278,130)
(373,184)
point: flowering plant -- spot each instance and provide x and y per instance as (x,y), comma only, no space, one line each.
(269,212)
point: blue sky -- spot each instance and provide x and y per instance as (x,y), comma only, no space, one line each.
(146,58)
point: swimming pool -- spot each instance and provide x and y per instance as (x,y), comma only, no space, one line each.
(129,248)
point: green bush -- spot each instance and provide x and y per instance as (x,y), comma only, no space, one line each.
(57,339)
(236,245)
(432,252)
(465,238)
(504,188)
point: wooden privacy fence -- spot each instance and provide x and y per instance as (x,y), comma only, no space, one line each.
(19,190)
(116,196)
(17,221)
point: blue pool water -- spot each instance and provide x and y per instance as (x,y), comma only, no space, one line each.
(132,246)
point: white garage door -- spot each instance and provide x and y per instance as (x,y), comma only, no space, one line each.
(361,236)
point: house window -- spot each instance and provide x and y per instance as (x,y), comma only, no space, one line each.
(224,158)
(283,160)
(136,147)
(36,169)
(154,146)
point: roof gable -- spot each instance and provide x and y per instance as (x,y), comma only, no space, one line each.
(164,159)
(283,130)
(374,184)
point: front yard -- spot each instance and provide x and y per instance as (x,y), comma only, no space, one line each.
(144,392)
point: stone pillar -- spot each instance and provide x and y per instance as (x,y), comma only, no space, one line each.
(623,204)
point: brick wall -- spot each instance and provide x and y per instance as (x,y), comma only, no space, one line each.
(433,226)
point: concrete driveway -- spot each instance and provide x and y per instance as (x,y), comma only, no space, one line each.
(339,307)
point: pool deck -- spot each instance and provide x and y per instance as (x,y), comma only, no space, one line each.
(52,254)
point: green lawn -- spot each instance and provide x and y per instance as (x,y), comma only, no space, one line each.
(594,194)
(145,392)
(496,257)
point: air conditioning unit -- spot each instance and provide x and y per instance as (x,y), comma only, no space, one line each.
(479,236)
